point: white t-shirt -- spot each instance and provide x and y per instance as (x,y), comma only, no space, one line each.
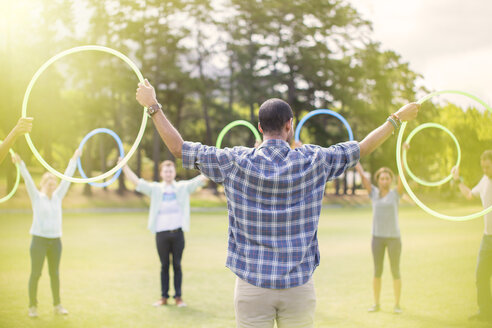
(484,190)
(169,216)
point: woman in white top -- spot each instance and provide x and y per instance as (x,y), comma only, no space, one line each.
(46,230)
(169,216)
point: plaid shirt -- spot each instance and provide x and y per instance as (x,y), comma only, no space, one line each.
(274,199)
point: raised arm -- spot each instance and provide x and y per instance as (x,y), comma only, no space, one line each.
(30,185)
(129,174)
(379,135)
(24,125)
(467,192)
(365,181)
(146,97)
(62,189)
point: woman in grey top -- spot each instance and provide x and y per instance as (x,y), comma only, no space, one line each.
(385,229)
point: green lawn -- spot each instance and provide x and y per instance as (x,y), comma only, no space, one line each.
(110,273)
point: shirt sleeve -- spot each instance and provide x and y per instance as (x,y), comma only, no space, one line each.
(214,163)
(340,157)
(478,188)
(62,189)
(374,192)
(30,185)
(195,183)
(144,187)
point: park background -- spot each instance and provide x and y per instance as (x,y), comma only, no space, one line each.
(213,62)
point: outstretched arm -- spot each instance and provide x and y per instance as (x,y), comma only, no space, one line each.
(30,185)
(62,189)
(365,181)
(379,135)
(129,174)
(24,125)
(463,188)
(146,97)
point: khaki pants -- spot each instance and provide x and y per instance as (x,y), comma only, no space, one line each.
(260,307)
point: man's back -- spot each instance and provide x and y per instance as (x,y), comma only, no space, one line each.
(274,199)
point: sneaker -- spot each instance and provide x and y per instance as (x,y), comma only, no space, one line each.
(397,310)
(374,308)
(59,309)
(480,317)
(162,301)
(180,302)
(32,312)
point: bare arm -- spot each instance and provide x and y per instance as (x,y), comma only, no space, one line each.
(146,97)
(365,181)
(24,125)
(379,135)
(465,191)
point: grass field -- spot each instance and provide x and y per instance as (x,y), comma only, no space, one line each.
(110,273)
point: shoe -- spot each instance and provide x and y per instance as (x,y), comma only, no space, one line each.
(32,312)
(160,302)
(480,317)
(397,310)
(59,309)
(374,308)
(180,302)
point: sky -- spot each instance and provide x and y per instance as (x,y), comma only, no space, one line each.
(449,42)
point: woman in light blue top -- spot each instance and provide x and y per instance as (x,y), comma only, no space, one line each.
(46,230)
(385,229)
(169,217)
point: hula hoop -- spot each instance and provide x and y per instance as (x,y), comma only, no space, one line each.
(404,180)
(405,163)
(234,124)
(120,148)
(26,99)
(17,179)
(323,111)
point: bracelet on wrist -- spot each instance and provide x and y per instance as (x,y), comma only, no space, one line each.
(393,122)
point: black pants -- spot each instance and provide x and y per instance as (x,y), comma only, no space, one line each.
(170,242)
(483,274)
(40,248)
(379,245)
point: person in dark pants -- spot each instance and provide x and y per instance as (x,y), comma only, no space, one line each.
(484,263)
(46,230)
(169,216)
(385,230)
(274,196)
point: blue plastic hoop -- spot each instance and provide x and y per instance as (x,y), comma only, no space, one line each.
(323,111)
(120,148)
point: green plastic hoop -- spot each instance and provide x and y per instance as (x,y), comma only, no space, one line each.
(404,180)
(405,163)
(26,99)
(17,179)
(234,124)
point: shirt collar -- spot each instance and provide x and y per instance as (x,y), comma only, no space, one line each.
(277,143)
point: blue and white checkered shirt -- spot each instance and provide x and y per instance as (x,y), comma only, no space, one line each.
(274,196)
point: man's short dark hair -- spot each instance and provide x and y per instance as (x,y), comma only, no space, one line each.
(486,155)
(273,115)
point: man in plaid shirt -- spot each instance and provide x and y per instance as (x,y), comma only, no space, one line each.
(274,199)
